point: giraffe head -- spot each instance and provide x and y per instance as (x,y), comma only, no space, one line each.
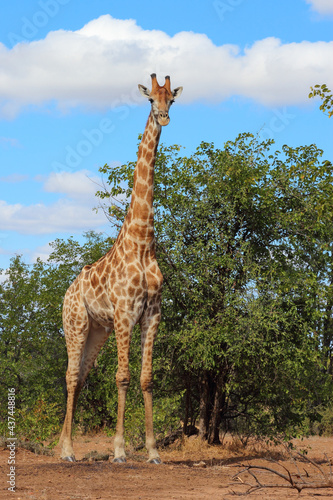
(161,98)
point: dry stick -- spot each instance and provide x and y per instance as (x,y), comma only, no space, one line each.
(328,480)
(330,463)
(307,459)
(314,464)
(297,468)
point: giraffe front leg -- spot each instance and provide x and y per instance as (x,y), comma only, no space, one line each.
(122,379)
(123,327)
(149,325)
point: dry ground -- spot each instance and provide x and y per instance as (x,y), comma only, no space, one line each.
(190,471)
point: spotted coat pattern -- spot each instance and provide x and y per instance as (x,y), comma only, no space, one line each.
(121,289)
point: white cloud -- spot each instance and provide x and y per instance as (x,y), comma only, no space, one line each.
(101,64)
(14,178)
(79,184)
(321,6)
(70,213)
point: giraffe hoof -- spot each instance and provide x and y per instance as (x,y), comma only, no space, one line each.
(70,458)
(155,461)
(119,460)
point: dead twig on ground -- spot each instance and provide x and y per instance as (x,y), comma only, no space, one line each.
(298,481)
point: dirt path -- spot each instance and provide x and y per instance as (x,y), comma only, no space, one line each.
(194,472)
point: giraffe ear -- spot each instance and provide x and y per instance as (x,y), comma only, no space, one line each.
(144,91)
(176,92)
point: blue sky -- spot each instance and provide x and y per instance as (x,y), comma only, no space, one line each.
(69,102)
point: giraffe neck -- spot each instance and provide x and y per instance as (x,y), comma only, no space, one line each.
(140,216)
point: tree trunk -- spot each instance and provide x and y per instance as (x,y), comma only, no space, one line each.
(187,405)
(215,418)
(204,406)
(328,328)
(212,402)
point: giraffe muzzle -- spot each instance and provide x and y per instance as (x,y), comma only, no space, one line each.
(163,118)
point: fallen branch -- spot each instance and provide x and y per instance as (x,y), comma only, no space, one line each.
(299,481)
(292,483)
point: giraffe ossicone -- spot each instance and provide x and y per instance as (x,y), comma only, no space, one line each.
(121,289)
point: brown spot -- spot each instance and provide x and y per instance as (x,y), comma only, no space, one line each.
(144,211)
(121,303)
(142,150)
(136,206)
(136,280)
(155,311)
(139,232)
(101,265)
(143,170)
(94,280)
(140,189)
(133,268)
(129,257)
(126,323)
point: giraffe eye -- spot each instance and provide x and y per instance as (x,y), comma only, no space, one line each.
(151,100)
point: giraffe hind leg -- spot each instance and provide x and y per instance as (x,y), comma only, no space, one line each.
(81,366)
(76,328)
(73,391)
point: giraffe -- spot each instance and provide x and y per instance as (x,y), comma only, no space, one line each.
(121,289)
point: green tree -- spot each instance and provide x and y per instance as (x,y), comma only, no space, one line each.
(245,246)
(242,237)
(32,355)
(325,95)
